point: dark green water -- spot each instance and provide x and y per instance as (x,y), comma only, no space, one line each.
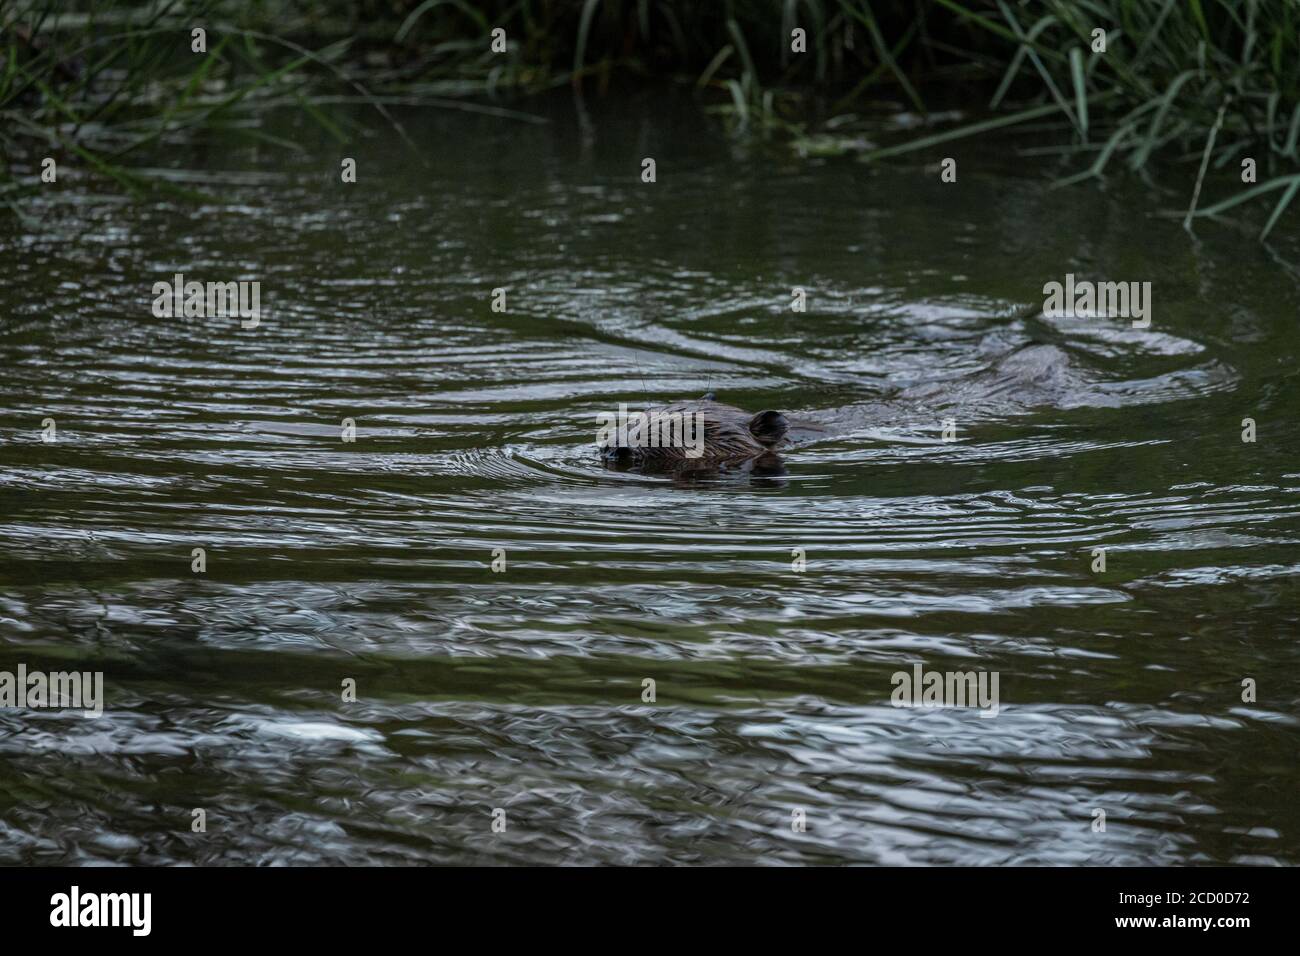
(522,690)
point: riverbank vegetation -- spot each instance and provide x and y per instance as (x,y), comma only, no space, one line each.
(1205,94)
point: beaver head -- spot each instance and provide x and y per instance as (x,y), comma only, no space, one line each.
(710,433)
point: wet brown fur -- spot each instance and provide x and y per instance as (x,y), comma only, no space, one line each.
(730,435)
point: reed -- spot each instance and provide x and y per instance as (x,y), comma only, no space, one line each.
(1205,83)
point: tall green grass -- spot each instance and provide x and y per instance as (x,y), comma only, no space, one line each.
(1210,82)
(99,84)
(1202,82)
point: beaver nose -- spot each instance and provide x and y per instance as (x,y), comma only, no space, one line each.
(768,427)
(621,456)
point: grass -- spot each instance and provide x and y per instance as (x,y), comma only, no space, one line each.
(1203,84)
(99,87)
(1213,82)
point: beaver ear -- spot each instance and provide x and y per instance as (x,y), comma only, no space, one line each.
(768,427)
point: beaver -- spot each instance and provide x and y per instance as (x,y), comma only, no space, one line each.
(733,440)
(730,436)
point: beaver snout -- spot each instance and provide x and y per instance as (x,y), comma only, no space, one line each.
(621,456)
(768,427)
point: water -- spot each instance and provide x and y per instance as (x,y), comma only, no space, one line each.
(522,690)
